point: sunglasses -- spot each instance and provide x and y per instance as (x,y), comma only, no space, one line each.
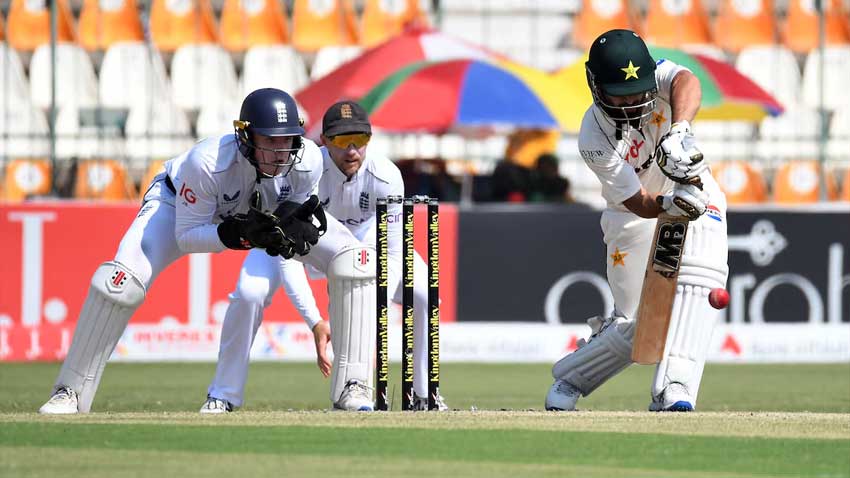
(343,141)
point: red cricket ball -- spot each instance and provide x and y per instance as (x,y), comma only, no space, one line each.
(718,298)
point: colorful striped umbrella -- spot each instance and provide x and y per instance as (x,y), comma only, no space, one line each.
(727,94)
(465,96)
(353,79)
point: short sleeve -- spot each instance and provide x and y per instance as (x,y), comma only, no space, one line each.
(618,178)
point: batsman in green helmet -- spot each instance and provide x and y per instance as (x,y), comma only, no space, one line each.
(637,138)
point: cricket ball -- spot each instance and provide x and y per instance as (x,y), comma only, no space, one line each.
(718,298)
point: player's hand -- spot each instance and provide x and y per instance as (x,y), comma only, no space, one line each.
(686,200)
(322,337)
(678,156)
(296,225)
(254,229)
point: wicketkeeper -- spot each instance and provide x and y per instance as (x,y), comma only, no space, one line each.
(218,195)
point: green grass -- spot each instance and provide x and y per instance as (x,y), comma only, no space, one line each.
(151,426)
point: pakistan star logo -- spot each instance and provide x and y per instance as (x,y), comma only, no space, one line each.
(631,71)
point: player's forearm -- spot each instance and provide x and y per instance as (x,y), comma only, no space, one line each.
(686,97)
(643,204)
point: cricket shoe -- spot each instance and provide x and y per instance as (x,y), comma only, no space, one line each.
(62,402)
(355,397)
(562,397)
(216,405)
(421,403)
(674,398)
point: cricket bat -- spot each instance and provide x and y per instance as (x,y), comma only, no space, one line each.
(659,289)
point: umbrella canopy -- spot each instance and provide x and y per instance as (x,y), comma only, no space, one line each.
(354,79)
(727,94)
(464,96)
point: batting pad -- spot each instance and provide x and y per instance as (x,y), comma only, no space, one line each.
(351,294)
(599,359)
(693,319)
(114,296)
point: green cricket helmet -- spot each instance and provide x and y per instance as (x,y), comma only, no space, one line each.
(619,65)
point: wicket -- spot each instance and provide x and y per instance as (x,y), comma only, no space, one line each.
(382,278)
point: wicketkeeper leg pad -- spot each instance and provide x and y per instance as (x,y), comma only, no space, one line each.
(351,290)
(606,354)
(114,295)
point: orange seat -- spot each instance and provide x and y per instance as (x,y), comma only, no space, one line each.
(247,24)
(103,179)
(740,181)
(593,21)
(383,20)
(672,24)
(104,23)
(801,33)
(155,167)
(525,145)
(319,24)
(29,24)
(845,190)
(1,27)
(798,182)
(174,24)
(743,24)
(27,177)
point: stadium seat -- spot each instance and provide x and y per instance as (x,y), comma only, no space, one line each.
(845,190)
(28,24)
(791,135)
(740,181)
(13,80)
(103,23)
(836,72)
(23,128)
(382,20)
(673,24)
(722,140)
(76,83)
(775,69)
(2,38)
(217,117)
(277,66)
(798,182)
(743,24)
(154,167)
(177,23)
(802,30)
(201,74)
(319,24)
(103,179)
(838,147)
(329,58)
(253,23)
(158,129)
(132,73)
(525,145)
(596,18)
(76,138)
(27,177)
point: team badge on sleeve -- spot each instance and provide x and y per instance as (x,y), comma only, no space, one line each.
(714,213)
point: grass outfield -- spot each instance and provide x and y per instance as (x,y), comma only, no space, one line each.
(754,420)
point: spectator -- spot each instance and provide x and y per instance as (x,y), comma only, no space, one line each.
(510,182)
(547,184)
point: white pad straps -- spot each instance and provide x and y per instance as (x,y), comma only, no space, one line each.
(351,290)
(691,324)
(608,352)
(114,296)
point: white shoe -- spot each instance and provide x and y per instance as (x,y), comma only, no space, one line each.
(421,403)
(562,396)
(674,398)
(216,405)
(63,402)
(355,397)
